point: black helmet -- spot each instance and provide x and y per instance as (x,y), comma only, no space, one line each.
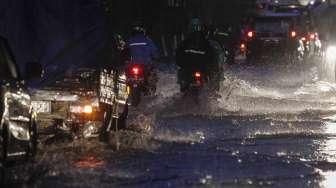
(138,28)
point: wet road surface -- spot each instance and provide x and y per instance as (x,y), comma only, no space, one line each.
(272,126)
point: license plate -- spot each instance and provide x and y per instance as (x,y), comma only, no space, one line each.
(41,106)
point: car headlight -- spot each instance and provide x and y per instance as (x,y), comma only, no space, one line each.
(86,109)
(331,53)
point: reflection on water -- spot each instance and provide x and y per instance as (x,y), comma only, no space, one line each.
(330,128)
(89,162)
(328,148)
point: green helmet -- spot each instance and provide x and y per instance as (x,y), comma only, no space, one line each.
(196,25)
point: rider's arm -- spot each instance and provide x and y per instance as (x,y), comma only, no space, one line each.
(153,48)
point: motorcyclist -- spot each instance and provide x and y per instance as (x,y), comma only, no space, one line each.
(114,58)
(195,52)
(221,56)
(142,50)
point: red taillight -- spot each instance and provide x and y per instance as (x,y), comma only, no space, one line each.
(250,34)
(293,34)
(198,75)
(135,70)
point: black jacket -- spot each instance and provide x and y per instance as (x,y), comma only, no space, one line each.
(195,53)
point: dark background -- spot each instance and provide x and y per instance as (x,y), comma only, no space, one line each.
(73,33)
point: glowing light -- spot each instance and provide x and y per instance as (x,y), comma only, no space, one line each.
(242,46)
(250,34)
(293,34)
(331,53)
(135,70)
(87,109)
(197,74)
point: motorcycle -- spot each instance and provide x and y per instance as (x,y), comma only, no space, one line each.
(141,79)
(113,97)
(192,82)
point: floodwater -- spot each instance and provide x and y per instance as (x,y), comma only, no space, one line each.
(271,125)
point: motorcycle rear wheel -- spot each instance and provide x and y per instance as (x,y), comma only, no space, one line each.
(113,122)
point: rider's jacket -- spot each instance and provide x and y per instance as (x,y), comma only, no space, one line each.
(142,49)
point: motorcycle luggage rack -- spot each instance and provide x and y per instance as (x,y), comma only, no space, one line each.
(108,94)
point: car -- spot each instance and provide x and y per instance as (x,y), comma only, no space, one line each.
(273,35)
(88,103)
(18,127)
(273,31)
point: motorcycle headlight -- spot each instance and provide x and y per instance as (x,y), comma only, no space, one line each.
(331,53)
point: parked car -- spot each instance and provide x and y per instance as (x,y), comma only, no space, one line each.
(18,125)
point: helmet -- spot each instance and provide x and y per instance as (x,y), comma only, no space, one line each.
(196,25)
(138,28)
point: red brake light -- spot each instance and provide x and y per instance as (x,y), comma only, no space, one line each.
(197,74)
(250,34)
(135,70)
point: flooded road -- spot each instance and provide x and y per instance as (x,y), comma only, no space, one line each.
(270,126)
